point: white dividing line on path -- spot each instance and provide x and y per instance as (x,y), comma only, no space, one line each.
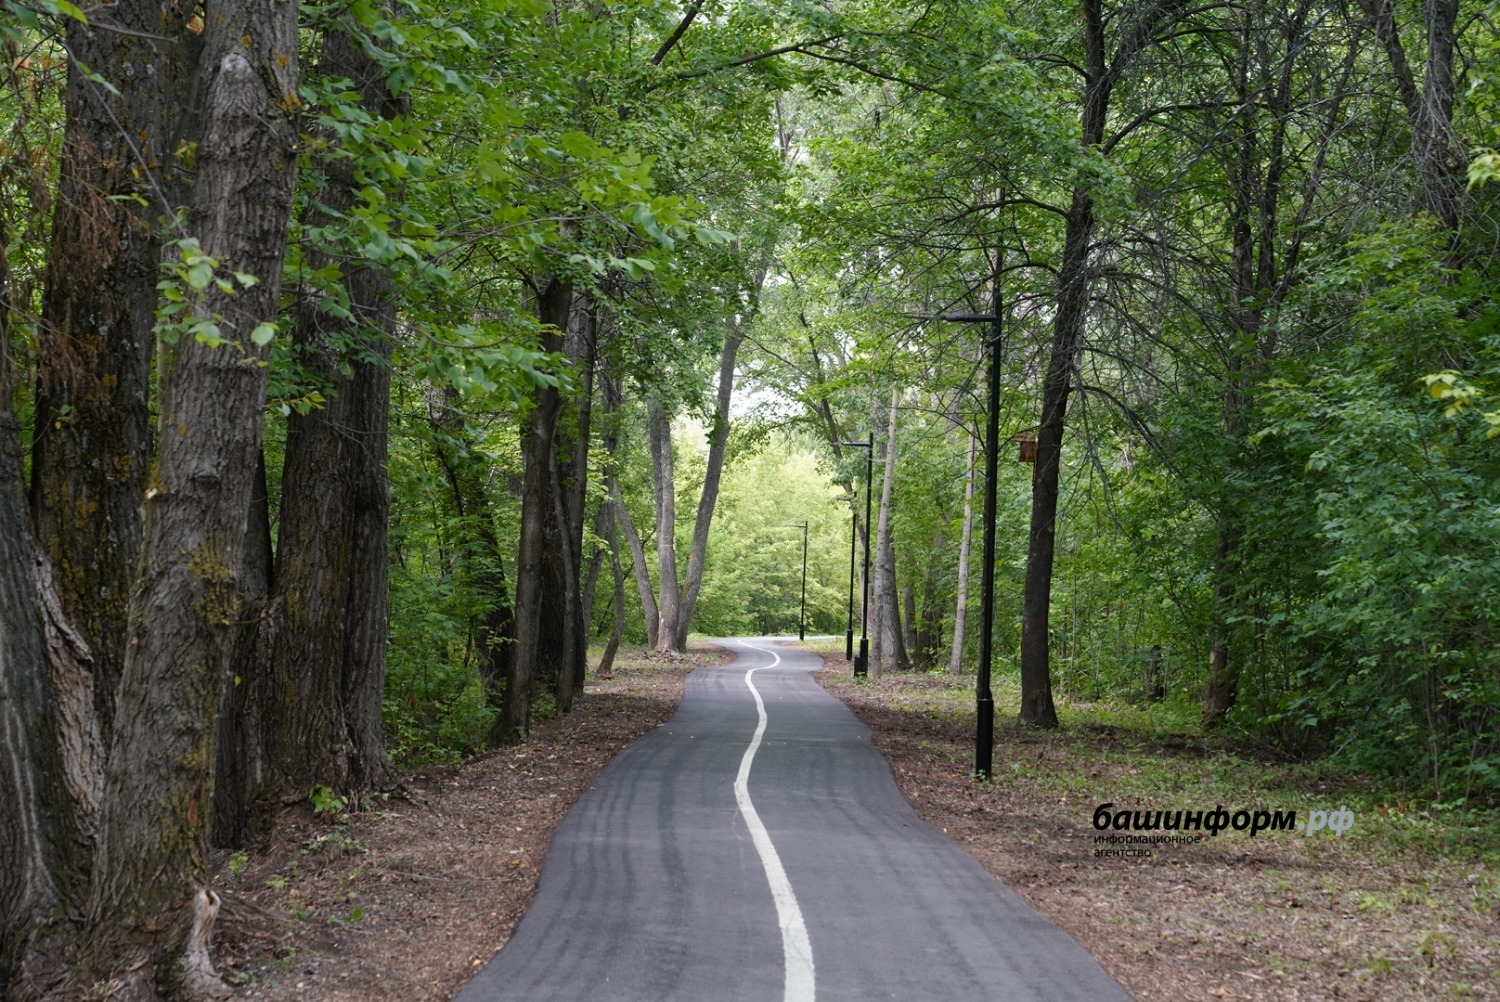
(795,946)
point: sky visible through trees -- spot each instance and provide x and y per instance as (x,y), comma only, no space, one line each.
(366,366)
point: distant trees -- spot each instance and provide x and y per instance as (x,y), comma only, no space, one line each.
(1203,212)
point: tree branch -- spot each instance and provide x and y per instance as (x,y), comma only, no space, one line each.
(687,19)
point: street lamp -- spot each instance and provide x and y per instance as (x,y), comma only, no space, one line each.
(853,537)
(862,663)
(984,701)
(802,616)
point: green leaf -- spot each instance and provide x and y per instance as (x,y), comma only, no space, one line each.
(199,275)
(208,334)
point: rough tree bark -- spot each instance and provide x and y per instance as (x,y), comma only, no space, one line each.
(327,669)
(151,905)
(92,442)
(246,794)
(46,817)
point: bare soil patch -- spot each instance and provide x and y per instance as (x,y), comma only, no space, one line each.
(404,902)
(1284,916)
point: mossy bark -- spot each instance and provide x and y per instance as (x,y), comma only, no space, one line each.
(44,842)
(245,790)
(327,665)
(151,905)
(92,442)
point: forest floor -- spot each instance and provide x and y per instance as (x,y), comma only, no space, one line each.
(405,901)
(1402,906)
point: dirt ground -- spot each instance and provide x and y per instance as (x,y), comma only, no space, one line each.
(406,901)
(1281,917)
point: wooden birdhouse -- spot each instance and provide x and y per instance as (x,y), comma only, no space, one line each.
(1027,442)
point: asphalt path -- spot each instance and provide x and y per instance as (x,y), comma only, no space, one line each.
(756,847)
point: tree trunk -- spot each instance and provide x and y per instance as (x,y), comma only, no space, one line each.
(571,648)
(607,659)
(926,628)
(1073,284)
(1437,148)
(1223,686)
(327,673)
(597,557)
(638,562)
(152,905)
(92,442)
(609,520)
(571,456)
(492,629)
(669,601)
(909,625)
(44,816)
(537,629)
(612,398)
(1073,279)
(246,793)
(961,606)
(718,441)
(888,649)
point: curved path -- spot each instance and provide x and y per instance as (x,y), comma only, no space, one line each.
(756,847)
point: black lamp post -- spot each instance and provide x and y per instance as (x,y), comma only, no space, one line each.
(862,663)
(853,537)
(984,700)
(802,616)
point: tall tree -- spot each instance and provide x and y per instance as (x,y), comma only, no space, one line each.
(538,626)
(718,441)
(1138,29)
(678,596)
(327,665)
(888,650)
(1437,149)
(47,820)
(151,904)
(570,459)
(91,449)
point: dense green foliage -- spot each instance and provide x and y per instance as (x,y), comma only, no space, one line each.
(1278,454)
